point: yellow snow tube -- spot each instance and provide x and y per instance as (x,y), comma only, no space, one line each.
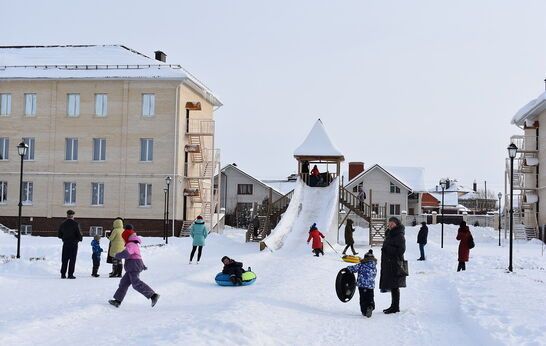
(351,259)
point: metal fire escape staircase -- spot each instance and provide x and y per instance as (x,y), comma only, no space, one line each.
(199,173)
(525,188)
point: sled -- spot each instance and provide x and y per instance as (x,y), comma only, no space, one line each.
(345,285)
(248,278)
(351,259)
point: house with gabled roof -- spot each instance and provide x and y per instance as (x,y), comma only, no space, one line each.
(397,188)
(240,192)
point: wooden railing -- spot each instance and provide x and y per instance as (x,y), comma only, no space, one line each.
(362,209)
(322,180)
(269,215)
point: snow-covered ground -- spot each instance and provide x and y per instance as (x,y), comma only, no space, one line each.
(293,302)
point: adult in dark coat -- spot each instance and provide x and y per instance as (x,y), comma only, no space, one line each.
(422,240)
(349,241)
(464,236)
(69,232)
(392,252)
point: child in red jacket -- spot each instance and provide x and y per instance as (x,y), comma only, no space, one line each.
(315,234)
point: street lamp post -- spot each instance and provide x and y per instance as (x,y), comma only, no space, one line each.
(164,213)
(500,196)
(443,184)
(512,151)
(168,182)
(22,150)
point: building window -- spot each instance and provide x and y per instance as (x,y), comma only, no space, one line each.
(97,193)
(28,189)
(95,230)
(69,193)
(146,149)
(394,209)
(3,191)
(73,105)
(244,189)
(5,104)
(29,156)
(71,149)
(358,187)
(148,105)
(375,208)
(394,189)
(101,105)
(4,148)
(30,105)
(145,195)
(26,229)
(99,149)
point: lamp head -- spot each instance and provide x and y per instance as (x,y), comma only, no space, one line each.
(443,183)
(168,180)
(512,150)
(499,195)
(22,148)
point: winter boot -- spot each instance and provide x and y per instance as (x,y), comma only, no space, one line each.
(369,311)
(114,302)
(154,298)
(94,274)
(391,310)
(119,270)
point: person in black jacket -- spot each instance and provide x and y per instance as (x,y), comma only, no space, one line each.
(422,240)
(233,268)
(70,233)
(392,253)
(349,241)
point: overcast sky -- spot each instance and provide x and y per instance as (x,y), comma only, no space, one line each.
(409,83)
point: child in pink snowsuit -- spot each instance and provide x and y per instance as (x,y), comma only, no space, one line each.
(133,267)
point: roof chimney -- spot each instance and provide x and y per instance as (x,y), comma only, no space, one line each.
(355,168)
(159,55)
(475,186)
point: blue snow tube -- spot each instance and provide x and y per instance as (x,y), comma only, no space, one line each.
(223,279)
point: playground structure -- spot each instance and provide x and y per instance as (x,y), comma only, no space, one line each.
(317,198)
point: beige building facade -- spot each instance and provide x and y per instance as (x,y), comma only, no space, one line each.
(105,125)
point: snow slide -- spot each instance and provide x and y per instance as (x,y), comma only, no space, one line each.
(308,205)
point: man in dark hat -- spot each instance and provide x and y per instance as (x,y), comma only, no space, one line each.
(70,233)
(422,240)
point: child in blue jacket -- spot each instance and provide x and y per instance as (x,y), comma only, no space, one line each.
(367,270)
(95,245)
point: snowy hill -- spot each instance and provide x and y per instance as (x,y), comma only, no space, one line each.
(292,303)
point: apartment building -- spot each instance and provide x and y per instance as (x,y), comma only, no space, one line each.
(105,125)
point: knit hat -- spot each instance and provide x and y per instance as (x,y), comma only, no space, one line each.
(424,223)
(70,212)
(225,258)
(127,233)
(369,254)
(199,217)
(128,226)
(395,220)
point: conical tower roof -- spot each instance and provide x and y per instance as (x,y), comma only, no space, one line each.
(318,144)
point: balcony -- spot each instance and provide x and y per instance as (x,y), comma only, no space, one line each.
(197,127)
(525,144)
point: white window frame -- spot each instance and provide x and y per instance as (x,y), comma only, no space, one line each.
(70,192)
(97,194)
(30,104)
(3,192)
(31,142)
(95,230)
(5,104)
(146,149)
(71,149)
(144,195)
(73,105)
(101,150)
(392,209)
(394,187)
(26,229)
(101,105)
(28,192)
(148,105)
(4,148)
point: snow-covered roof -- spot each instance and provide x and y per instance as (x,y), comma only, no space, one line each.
(318,143)
(283,186)
(530,110)
(454,186)
(91,62)
(451,198)
(237,169)
(413,178)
